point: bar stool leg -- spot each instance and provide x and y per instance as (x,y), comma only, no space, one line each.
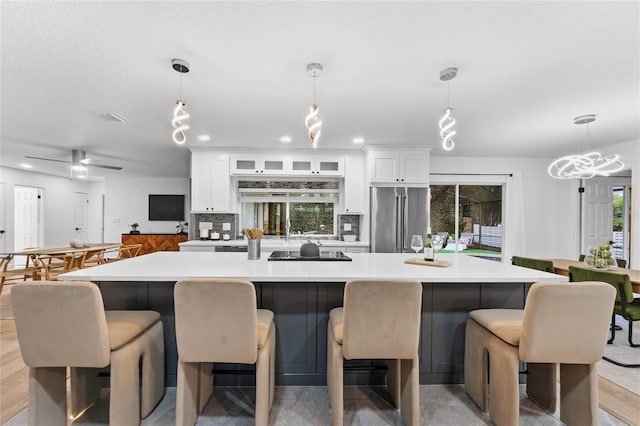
(410,391)
(578,394)
(272,366)
(335,378)
(47,396)
(85,388)
(504,394)
(263,366)
(187,393)
(393,381)
(205,384)
(476,363)
(124,396)
(541,384)
(152,369)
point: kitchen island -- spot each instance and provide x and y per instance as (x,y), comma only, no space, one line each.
(301,294)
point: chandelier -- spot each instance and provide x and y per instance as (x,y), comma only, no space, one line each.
(585,166)
(447,121)
(312,121)
(179,113)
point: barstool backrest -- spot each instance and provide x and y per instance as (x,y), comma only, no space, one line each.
(216,320)
(61,324)
(381,319)
(566,323)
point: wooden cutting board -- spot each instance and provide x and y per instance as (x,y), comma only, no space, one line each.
(438,263)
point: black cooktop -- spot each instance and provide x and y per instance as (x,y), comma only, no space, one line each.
(295,255)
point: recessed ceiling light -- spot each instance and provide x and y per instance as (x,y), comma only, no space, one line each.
(285,139)
(78,168)
(81,176)
(26,166)
(358,140)
(204,138)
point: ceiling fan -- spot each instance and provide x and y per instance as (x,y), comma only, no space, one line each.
(78,159)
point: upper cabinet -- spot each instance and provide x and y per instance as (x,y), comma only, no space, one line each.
(355,186)
(315,165)
(248,164)
(399,167)
(210,183)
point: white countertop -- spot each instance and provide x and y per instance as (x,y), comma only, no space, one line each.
(268,243)
(173,266)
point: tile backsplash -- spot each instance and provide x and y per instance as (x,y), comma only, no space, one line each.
(354,221)
(217,219)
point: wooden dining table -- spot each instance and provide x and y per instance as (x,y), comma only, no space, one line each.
(561,267)
(72,256)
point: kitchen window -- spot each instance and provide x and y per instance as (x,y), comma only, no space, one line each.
(308,207)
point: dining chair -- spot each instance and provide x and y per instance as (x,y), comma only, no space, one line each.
(379,320)
(627,306)
(92,258)
(64,324)
(531,263)
(217,320)
(552,329)
(125,252)
(12,276)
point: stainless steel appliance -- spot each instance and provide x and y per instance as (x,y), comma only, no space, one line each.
(397,213)
(295,255)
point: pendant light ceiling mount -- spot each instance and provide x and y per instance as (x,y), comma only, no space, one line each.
(179,114)
(447,121)
(314,69)
(585,166)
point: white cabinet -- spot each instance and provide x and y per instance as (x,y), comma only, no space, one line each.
(210,183)
(399,167)
(315,166)
(243,164)
(355,187)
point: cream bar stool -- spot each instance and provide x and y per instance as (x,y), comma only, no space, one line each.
(561,323)
(64,324)
(217,321)
(379,320)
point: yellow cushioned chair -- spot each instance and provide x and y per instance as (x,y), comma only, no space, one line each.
(379,320)
(217,321)
(64,324)
(552,329)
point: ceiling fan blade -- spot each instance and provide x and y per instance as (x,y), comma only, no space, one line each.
(103,166)
(47,159)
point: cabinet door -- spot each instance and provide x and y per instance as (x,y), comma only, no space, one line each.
(300,166)
(329,166)
(244,165)
(414,168)
(354,185)
(384,167)
(201,182)
(221,191)
(272,165)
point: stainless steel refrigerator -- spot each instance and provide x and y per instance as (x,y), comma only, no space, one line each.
(397,213)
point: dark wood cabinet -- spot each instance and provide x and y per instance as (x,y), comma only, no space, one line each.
(155,242)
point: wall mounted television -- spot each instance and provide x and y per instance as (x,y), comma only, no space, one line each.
(166,207)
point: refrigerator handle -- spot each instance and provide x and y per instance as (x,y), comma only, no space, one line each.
(404,221)
(398,208)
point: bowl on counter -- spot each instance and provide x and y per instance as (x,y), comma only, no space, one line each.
(349,238)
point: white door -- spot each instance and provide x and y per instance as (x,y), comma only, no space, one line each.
(3,233)
(26,221)
(597,212)
(82,205)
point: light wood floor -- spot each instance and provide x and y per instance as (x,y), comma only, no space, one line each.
(14,377)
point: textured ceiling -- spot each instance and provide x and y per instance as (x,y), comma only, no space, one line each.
(526,69)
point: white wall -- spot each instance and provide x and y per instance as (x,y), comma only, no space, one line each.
(58,205)
(551,221)
(127,201)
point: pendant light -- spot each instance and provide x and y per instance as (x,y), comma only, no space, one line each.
(587,165)
(312,121)
(179,113)
(447,121)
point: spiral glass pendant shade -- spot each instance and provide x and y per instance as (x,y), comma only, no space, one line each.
(585,166)
(179,115)
(447,132)
(314,124)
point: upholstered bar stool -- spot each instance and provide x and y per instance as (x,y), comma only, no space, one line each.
(379,320)
(64,324)
(561,323)
(217,321)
